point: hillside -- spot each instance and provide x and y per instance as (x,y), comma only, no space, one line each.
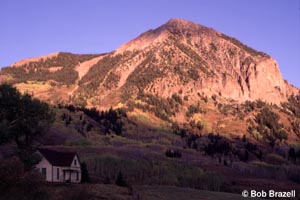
(180,72)
(149,152)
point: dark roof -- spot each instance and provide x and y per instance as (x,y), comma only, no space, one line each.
(58,158)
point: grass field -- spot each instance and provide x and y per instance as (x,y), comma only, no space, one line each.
(145,192)
(175,193)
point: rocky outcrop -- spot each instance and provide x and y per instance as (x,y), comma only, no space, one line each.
(222,65)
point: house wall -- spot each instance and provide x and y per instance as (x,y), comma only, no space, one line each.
(45,164)
(57,177)
(75,165)
(51,171)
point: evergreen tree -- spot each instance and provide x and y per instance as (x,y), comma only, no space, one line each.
(85,178)
(292,154)
(23,120)
(120,180)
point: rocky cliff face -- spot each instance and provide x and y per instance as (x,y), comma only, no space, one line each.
(198,59)
(177,57)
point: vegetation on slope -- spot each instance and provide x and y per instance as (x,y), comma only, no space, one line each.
(119,150)
(96,75)
(250,50)
(24,121)
(39,71)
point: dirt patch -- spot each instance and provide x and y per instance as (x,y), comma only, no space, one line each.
(54,69)
(84,67)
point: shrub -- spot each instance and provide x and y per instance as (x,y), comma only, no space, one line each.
(248,106)
(85,178)
(214,97)
(269,126)
(177,98)
(213,47)
(120,181)
(193,74)
(294,105)
(217,145)
(173,153)
(186,98)
(281,134)
(194,109)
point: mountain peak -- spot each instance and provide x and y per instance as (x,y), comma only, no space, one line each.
(175,26)
(178,24)
(179,21)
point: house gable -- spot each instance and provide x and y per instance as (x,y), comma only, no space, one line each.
(75,162)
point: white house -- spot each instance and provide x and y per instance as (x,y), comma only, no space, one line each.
(57,166)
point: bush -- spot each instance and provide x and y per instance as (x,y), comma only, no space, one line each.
(120,180)
(197,125)
(281,134)
(177,98)
(269,126)
(217,145)
(248,106)
(293,105)
(186,98)
(193,74)
(214,97)
(85,178)
(194,109)
(173,153)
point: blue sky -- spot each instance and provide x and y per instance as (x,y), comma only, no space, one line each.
(31,28)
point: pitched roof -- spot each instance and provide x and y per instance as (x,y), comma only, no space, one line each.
(58,158)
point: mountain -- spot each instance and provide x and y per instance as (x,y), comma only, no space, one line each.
(177,56)
(209,62)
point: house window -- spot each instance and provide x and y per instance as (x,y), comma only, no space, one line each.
(57,173)
(44,172)
(75,162)
(77,176)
